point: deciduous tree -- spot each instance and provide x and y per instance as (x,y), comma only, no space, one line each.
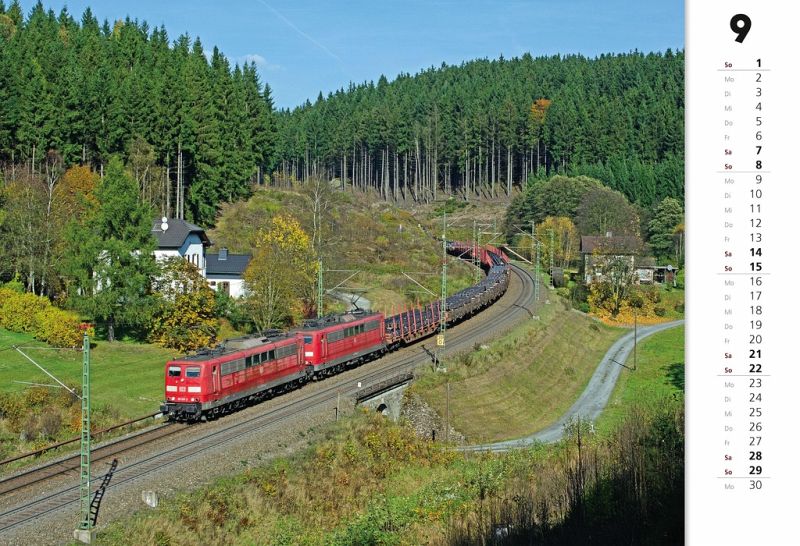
(564,243)
(184,319)
(603,210)
(612,292)
(282,268)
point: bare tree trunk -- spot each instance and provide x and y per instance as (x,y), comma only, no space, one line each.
(405,175)
(493,173)
(396,176)
(479,166)
(508,171)
(416,168)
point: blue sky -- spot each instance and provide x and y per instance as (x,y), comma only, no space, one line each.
(304,47)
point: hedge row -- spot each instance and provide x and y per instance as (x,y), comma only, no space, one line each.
(28,313)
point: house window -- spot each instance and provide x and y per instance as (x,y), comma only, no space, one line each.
(225,287)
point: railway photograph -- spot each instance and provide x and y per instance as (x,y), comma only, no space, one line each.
(355,273)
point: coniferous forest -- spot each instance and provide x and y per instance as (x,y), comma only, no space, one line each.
(197,132)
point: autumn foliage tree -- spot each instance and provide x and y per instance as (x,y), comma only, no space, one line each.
(185,317)
(536,120)
(280,273)
(607,297)
(563,245)
(75,194)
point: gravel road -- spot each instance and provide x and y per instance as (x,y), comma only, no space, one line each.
(593,399)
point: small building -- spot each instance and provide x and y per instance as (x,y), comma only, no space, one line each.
(598,252)
(182,239)
(225,272)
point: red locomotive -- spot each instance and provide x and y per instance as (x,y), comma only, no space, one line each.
(243,370)
(337,341)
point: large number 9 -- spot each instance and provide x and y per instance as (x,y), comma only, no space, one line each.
(740,25)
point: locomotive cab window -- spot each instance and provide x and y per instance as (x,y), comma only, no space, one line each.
(306,339)
(174,371)
(193,371)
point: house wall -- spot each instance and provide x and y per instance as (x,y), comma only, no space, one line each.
(235,285)
(191,250)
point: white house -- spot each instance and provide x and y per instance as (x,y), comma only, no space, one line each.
(224,272)
(179,238)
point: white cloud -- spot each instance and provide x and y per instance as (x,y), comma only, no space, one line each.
(259,61)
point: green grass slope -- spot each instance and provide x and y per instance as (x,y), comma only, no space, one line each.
(523,381)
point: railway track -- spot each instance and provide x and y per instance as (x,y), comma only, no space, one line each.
(69,464)
(516,302)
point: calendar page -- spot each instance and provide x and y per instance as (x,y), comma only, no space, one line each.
(741,195)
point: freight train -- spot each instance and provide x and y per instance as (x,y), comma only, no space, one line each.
(242,371)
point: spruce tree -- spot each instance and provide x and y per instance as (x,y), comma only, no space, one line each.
(110,260)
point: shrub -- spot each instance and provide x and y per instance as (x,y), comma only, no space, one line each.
(18,311)
(659,311)
(58,328)
(31,314)
(636,299)
(12,407)
(15,284)
(50,423)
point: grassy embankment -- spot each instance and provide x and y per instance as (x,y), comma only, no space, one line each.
(523,381)
(374,482)
(127,382)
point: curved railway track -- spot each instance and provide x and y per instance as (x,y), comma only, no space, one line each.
(516,301)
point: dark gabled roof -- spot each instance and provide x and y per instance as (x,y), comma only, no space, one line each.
(615,244)
(176,233)
(235,264)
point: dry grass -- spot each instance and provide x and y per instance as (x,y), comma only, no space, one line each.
(373,482)
(524,381)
